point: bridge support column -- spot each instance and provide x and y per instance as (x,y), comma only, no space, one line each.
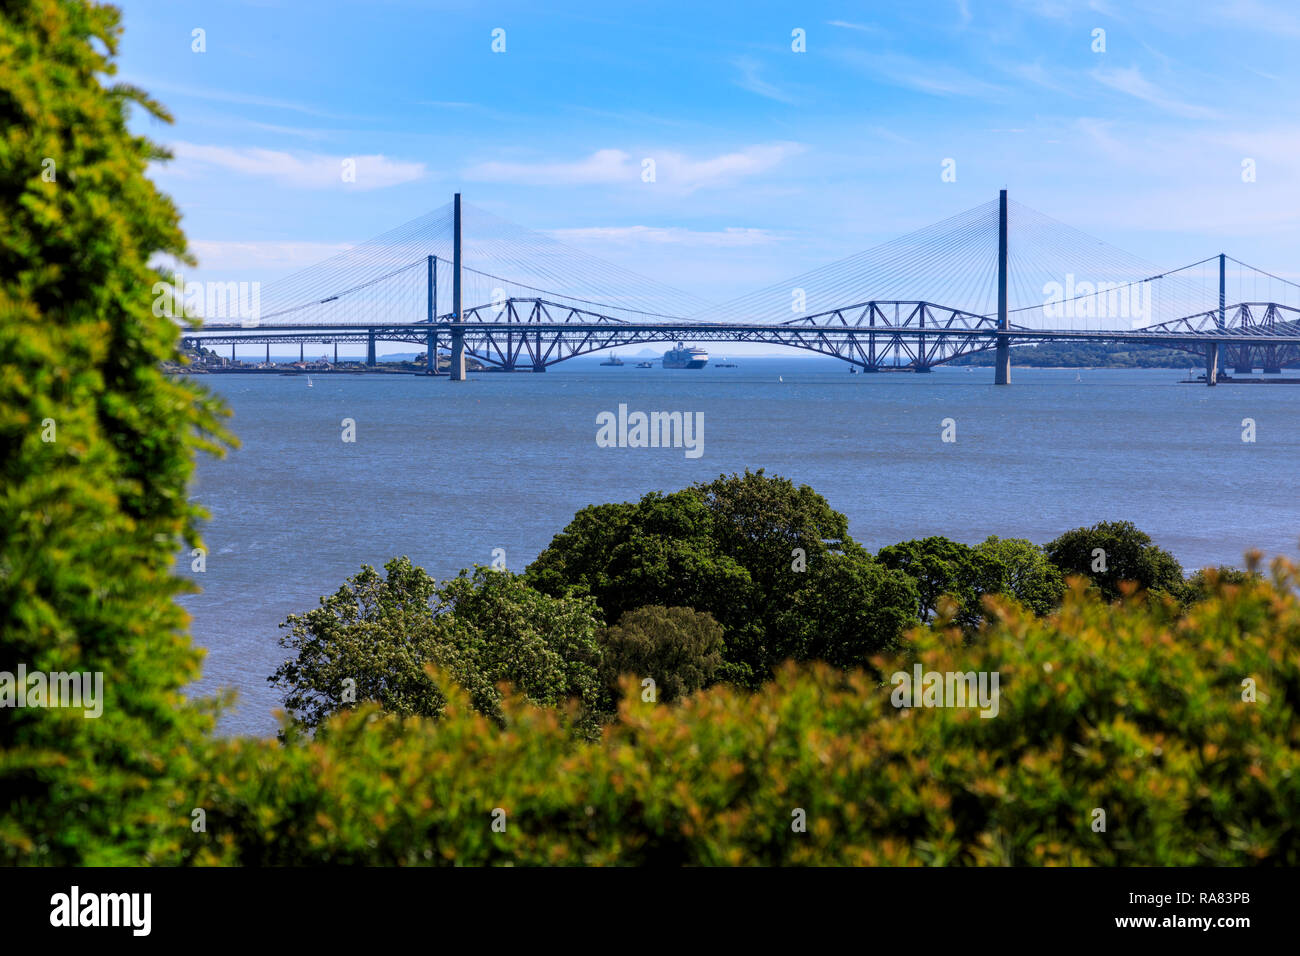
(232,351)
(539,368)
(302,351)
(268,353)
(457,370)
(370,348)
(336,352)
(1271,364)
(1002,368)
(1211,363)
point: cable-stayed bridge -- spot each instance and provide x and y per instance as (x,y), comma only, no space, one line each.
(989,278)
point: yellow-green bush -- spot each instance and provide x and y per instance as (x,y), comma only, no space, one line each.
(1128,708)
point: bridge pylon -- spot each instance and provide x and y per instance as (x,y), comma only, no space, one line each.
(1002,369)
(457,370)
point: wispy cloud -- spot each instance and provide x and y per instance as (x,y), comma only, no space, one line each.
(925,76)
(611,166)
(262,255)
(1257,16)
(730,237)
(163,90)
(1130,80)
(750,79)
(300,170)
(860,27)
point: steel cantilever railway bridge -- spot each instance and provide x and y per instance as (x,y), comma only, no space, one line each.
(376,296)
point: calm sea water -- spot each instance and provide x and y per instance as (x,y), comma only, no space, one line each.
(445,473)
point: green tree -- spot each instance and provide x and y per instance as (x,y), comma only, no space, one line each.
(939,566)
(375,638)
(96,450)
(679,649)
(1209,581)
(1113,551)
(1181,727)
(769,560)
(1020,569)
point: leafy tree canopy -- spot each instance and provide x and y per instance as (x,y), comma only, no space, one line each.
(678,648)
(96,448)
(377,636)
(1113,551)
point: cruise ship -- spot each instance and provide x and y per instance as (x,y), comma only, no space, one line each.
(683,357)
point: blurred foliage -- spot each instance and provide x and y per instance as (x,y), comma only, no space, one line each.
(91,521)
(1131,708)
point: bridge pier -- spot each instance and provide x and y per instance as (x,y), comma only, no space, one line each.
(457,370)
(302,351)
(370,348)
(1211,363)
(1002,362)
(539,368)
(268,353)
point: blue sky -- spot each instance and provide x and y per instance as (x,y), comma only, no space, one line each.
(768,161)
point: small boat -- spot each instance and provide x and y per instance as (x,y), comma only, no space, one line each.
(612,360)
(645,364)
(780,379)
(309,385)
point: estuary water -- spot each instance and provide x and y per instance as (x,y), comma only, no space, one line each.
(448,472)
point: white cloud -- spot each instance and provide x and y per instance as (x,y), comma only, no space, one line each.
(266,255)
(846,25)
(731,236)
(602,166)
(611,166)
(926,76)
(1131,81)
(300,170)
(750,79)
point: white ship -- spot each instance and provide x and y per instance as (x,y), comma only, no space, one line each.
(683,357)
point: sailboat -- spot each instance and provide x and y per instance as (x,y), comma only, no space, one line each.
(309,381)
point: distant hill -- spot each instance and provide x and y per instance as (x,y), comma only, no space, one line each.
(1087,355)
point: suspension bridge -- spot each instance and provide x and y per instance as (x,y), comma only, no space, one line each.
(959,286)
